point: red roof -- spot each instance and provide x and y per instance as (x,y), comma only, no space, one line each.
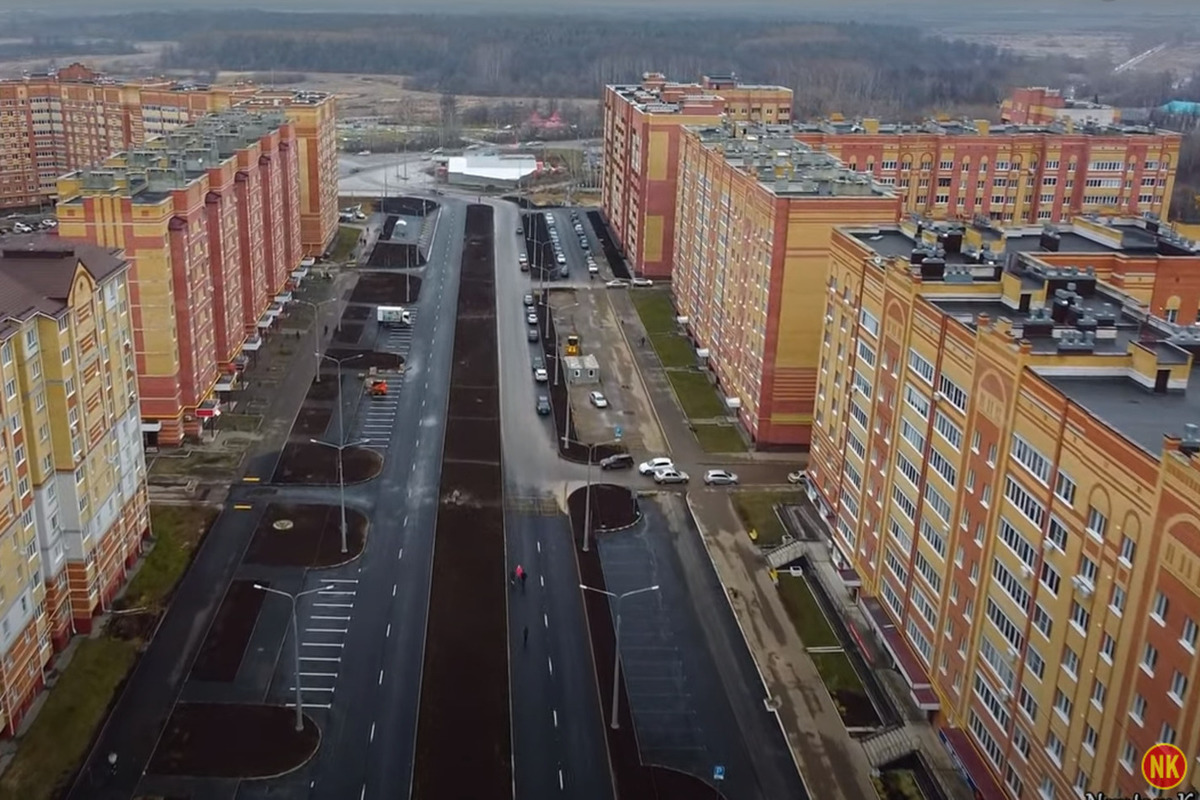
(906,661)
(971,764)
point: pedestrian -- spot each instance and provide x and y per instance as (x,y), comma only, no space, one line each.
(326,331)
(642,343)
(525,637)
(524,575)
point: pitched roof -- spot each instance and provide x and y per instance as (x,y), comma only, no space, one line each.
(38,270)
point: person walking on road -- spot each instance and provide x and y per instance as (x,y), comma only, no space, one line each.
(519,575)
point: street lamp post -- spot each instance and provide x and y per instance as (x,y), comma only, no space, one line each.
(587,502)
(316,307)
(292,598)
(615,723)
(341,478)
(341,408)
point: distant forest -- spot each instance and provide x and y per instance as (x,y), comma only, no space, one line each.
(852,68)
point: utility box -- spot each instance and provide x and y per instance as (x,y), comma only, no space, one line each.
(582,370)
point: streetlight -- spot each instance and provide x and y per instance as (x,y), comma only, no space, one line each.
(341,408)
(316,307)
(341,478)
(587,504)
(617,640)
(295,630)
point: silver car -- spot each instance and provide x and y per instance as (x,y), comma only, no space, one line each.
(720,477)
(670,476)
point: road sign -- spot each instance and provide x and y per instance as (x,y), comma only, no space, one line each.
(718,773)
(617,432)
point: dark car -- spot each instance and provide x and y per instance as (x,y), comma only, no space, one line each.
(619,461)
(543,405)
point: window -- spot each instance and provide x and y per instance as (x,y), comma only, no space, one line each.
(6,353)
(916,401)
(1128,549)
(1042,621)
(1011,585)
(1031,459)
(919,641)
(1149,659)
(1050,578)
(921,366)
(895,565)
(1007,629)
(939,504)
(866,354)
(1071,663)
(948,430)
(1137,709)
(1108,647)
(1017,543)
(1117,602)
(1080,617)
(1188,638)
(1088,570)
(1128,756)
(985,693)
(922,604)
(997,662)
(1057,535)
(913,436)
(986,741)
(10,388)
(1021,744)
(1097,523)
(906,506)
(935,539)
(1054,748)
(869,322)
(1178,687)
(66,354)
(862,384)
(1089,740)
(856,445)
(908,469)
(1167,734)
(1046,787)
(1161,606)
(1063,705)
(859,416)
(899,534)
(1099,692)
(927,572)
(943,467)
(1024,502)
(953,393)
(1028,704)
(1035,663)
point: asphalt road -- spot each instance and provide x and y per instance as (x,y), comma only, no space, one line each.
(559,747)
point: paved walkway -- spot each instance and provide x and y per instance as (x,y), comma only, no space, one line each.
(833,764)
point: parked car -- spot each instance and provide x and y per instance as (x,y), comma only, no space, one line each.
(670,476)
(642,282)
(720,477)
(532,334)
(796,477)
(654,464)
(618,461)
(598,400)
(540,375)
(537,363)
(593,269)
(543,405)
(617,283)
(531,317)
(528,300)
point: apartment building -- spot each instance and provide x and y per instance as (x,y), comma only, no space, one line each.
(1007,452)
(1013,174)
(51,124)
(748,253)
(73,499)
(1039,105)
(208,217)
(642,128)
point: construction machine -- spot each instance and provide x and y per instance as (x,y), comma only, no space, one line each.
(572,348)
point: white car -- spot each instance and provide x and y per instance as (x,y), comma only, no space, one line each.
(655,464)
(720,477)
(617,284)
(531,318)
(796,477)
(540,375)
(670,476)
(598,399)
(642,282)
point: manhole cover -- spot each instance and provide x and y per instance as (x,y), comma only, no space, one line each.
(283,524)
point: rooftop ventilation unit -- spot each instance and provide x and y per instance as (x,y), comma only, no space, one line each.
(1190,441)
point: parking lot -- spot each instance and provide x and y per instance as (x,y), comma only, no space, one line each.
(27,223)
(588,313)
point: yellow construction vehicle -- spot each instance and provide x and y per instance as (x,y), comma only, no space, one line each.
(572,344)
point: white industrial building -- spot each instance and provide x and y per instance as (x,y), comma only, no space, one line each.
(496,171)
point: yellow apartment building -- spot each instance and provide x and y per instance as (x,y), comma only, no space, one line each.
(752,244)
(1007,453)
(71,466)
(642,125)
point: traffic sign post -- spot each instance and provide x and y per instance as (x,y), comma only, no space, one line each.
(718,773)
(617,432)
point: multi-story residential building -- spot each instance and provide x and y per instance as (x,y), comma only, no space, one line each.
(72,474)
(54,123)
(1007,452)
(748,252)
(206,216)
(642,124)
(1039,105)
(1014,174)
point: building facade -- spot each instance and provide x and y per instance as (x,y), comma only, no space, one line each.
(72,470)
(55,123)
(642,128)
(203,215)
(748,252)
(1039,105)
(1013,174)
(1007,452)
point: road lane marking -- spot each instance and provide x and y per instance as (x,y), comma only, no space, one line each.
(539,546)
(319,658)
(381,677)
(242,506)
(546,620)
(318,674)
(405,522)
(311,689)
(339,580)
(414,466)
(322,644)
(324,630)
(542,580)
(554,711)
(560,781)
(393,590)
(318,616)
(550,661)
(372,731)
(389,631)
(363,793)
(251,479)
(333,605)
(400,555)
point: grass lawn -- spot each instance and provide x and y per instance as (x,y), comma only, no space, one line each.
(898,784)
(673,350)
(757,510)
(806,615)
(838,673)
(239,422)
(720,439)
(177,531)
(59,737)
(195,464)
(655,309)
(347,238)
(696,395)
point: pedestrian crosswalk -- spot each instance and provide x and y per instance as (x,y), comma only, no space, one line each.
(323,630)
(377,415)
(397,338)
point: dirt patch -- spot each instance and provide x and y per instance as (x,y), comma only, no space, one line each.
(366,359)
(613,507)
(221,654)
(476,303)
(349,334)
(132,627)
(356,313)
(475,352)
(473,401)
(393,255)
(324,391)
(386,289)
(232,740)
(313,540)
(473,439)
(314,464)
(312,421)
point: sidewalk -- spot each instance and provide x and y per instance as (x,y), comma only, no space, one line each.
(832,763)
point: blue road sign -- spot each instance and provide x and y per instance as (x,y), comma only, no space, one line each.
(617,432)
(718,773)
